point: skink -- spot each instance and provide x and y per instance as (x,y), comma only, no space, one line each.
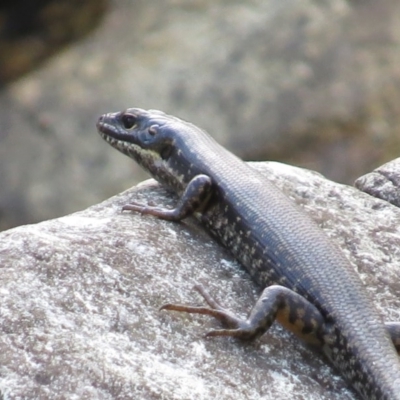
(310,286)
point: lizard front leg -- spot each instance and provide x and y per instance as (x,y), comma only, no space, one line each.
(196,194)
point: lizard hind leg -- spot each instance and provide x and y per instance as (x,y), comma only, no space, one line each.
(276,303)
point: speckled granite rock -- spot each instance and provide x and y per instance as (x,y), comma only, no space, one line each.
(79,300)
(383,182)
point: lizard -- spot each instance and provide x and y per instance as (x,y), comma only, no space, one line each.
(310,287)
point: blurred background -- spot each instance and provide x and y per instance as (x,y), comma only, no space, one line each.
(313,83)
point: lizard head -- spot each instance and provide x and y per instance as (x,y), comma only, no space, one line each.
(135,131)
(153,139)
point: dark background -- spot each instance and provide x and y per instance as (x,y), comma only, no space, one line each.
(313,83)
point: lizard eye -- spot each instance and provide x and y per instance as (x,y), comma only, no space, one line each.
(129,121)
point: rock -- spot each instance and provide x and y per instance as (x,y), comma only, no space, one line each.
(383,182)
(307,82)
(80,298)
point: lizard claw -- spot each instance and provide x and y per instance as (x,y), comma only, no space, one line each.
(215,310)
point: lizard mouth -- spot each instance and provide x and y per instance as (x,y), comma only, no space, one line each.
(110,129)
(107,131)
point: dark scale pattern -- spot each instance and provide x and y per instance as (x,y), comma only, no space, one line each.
(272,238)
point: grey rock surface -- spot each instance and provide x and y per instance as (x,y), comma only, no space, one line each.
(80,298)
(383,182)
(269,79)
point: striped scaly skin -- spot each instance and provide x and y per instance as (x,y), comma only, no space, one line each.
(311,288)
